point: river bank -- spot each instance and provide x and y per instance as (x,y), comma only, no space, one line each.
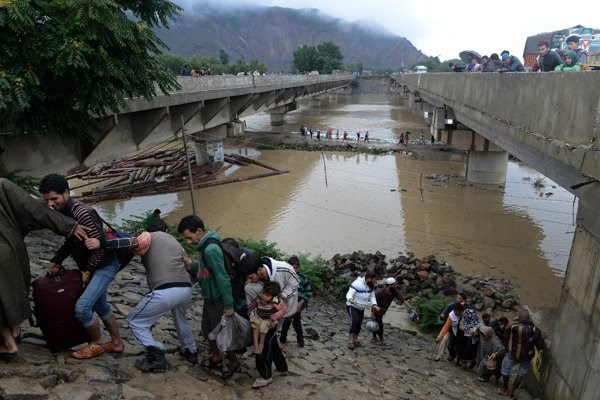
(323,369)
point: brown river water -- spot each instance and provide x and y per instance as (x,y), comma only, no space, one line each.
(375,202)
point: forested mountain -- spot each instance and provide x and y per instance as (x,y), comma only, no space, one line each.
(271,34)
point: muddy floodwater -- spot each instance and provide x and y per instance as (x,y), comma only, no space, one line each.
(342,202)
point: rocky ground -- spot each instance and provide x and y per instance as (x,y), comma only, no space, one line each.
(323,369)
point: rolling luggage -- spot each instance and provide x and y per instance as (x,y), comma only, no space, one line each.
(54,300)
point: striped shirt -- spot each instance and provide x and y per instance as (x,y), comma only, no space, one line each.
(86,260)
(523,339)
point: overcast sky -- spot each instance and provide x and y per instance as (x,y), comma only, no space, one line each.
(444,28)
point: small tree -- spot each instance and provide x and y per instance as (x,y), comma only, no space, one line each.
(329,57)
(223,57)
(62,62)
(306,58)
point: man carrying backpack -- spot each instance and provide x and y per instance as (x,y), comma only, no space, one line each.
(211,273)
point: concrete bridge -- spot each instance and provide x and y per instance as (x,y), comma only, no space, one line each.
(551,122)
(210,108)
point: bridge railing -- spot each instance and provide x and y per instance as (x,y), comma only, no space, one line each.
(220,82)
(558,106)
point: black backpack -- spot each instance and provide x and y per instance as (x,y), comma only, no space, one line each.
(238,264)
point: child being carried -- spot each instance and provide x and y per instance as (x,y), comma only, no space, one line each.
(268,311)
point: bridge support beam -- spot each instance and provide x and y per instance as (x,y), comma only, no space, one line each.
(278,113)
(236,128)
(315,102)
(487,167)
(438,123)
(208,145)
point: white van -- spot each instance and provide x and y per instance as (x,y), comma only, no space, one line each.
(420,69)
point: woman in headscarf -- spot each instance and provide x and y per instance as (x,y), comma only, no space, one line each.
(466,340)
(489,347)
(570,64)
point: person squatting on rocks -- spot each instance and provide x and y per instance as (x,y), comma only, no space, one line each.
(267,312)
(216,289)
(491,350)
(304,295)
(282,273)
(170,287)
(98,266)
(523,339)
(360,295)
(384,297)
(20,214)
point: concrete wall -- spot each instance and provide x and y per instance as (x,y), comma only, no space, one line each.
(552,122)
(574,365)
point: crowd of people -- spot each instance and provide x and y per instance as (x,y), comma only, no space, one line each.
(492,348)
(269,294)
(329,135)
(573,59)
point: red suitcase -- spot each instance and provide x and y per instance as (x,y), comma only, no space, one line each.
(54,300)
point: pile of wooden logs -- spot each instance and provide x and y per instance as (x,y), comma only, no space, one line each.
(147,173)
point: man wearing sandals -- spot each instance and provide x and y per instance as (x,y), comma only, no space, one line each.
(99,268)
(215,285)
(282,273)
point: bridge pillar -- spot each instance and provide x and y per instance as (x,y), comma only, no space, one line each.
(315,102)
(278,113)
(438,123)
(487,167)
(208,145)
(236,128)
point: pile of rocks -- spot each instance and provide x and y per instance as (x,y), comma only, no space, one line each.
(430,278)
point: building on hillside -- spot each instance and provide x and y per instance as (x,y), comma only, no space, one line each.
(589,40)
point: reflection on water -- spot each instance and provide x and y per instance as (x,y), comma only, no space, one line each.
(381,202)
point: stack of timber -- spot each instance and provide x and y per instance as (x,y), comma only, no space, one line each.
(158,172)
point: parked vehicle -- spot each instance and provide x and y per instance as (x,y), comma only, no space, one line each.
(420,69)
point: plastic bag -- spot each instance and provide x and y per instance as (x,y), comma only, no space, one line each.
(233,333)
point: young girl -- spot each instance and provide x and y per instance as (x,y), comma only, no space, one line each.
(268,310)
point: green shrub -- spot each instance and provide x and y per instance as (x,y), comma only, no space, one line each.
(263,249)
(429,313)
(317,272)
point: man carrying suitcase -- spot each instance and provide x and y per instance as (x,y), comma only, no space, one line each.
(170,287)
(99,268)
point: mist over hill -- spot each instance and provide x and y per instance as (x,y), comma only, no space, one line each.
(271,34)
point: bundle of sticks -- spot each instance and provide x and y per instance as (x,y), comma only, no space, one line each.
(163,171)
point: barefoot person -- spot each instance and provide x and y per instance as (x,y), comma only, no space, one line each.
(523,338)
(20,214)
(265,315)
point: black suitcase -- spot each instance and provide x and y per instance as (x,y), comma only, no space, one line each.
(54,300)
